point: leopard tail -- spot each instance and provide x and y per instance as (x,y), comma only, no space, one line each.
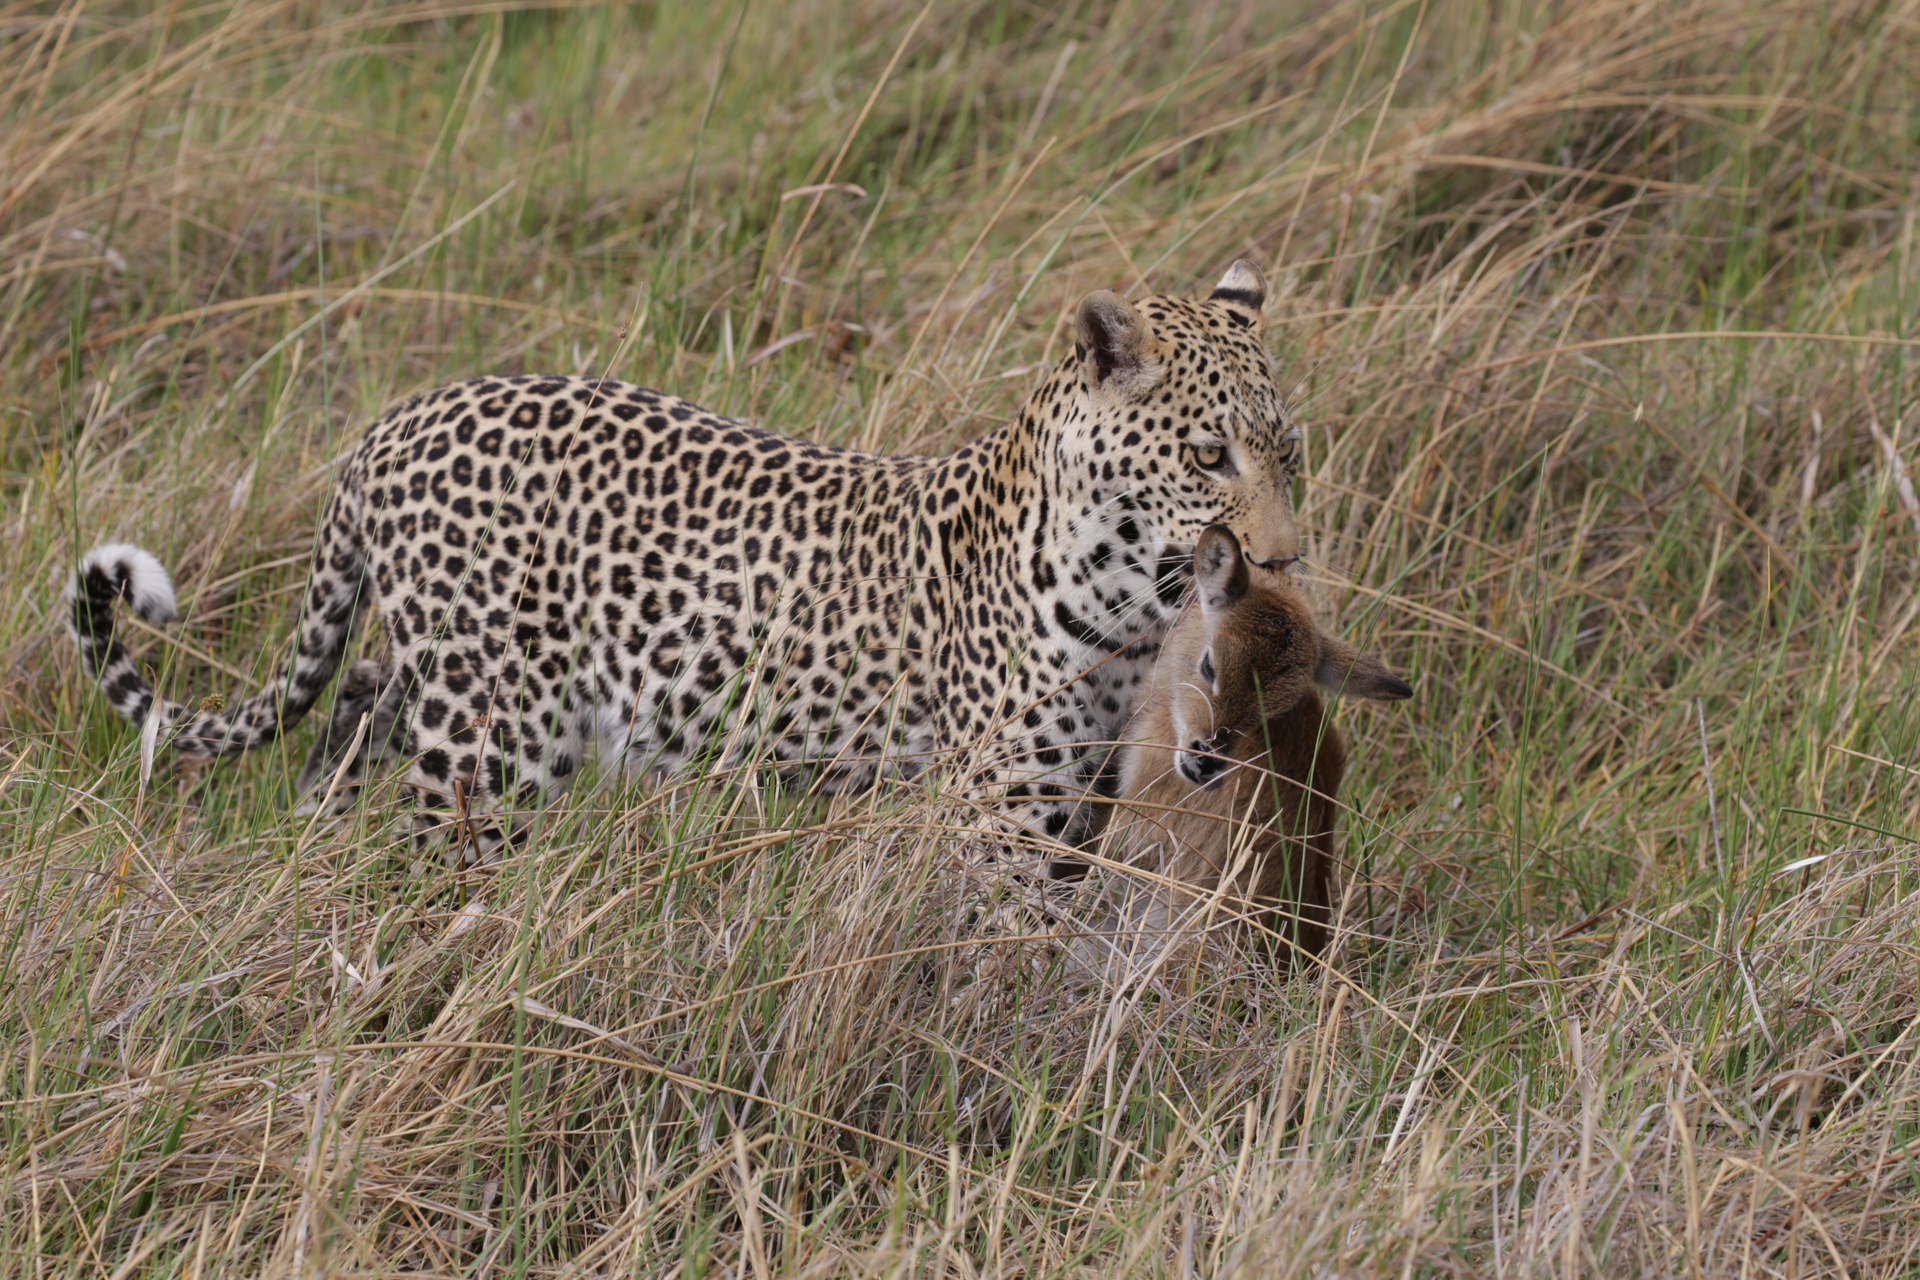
(335,595)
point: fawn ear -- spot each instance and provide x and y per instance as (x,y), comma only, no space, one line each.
(1219,570)
(1345,671)
(1114,339)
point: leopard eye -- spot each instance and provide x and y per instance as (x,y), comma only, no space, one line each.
(1207,672)
(1209,456)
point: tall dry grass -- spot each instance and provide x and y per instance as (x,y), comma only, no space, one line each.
(1601,317)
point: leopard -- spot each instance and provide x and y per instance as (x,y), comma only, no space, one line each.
(568,567)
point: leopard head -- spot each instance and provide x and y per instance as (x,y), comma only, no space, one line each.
(1177,404)
(1166,419)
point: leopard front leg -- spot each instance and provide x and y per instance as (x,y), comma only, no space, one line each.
(1044,769)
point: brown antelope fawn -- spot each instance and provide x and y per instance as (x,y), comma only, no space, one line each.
(1230,778)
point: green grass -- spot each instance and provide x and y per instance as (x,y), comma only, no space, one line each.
(1602,320)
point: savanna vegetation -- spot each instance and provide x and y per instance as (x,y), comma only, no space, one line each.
(1601,317)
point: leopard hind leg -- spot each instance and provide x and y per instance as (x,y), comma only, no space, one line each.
(482,780)
(348,753)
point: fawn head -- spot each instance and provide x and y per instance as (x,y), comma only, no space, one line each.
(1249,652)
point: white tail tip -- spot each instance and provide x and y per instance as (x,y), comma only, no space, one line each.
(142,579)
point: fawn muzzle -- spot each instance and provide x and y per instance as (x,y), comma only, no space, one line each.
(1201,764)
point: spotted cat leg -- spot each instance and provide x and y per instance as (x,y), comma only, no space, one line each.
(1056,801)
(457,825)
(368,692)
(569,734)
(481,777)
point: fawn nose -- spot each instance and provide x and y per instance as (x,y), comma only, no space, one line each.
(1201,769)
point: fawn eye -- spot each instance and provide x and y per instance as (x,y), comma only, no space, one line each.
(1211,457)
(1207,672)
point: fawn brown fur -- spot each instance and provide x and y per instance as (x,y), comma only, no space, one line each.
(1231,781)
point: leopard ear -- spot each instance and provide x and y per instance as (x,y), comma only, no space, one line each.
(1243,291)
(1114,340)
